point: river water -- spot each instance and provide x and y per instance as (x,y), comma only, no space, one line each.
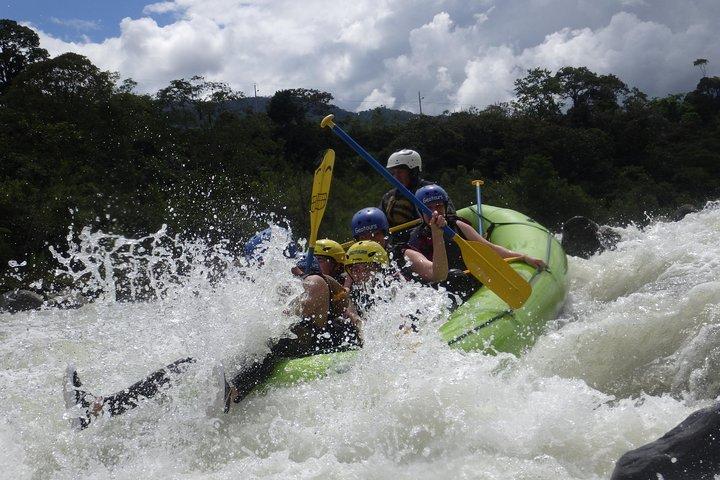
(636,349)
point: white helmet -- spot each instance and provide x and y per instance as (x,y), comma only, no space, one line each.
(409,158)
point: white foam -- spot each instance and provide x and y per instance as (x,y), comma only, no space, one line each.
(635,352)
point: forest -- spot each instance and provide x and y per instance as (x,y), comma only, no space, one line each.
(81,147)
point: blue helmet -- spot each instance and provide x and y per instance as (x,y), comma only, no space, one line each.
(292,249)
(368,220)
(432,194)
(254,247)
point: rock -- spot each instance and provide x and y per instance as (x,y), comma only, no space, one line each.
(690,450)
(581,237)
(20,300)
(608,238)
(683,210)
(68,298)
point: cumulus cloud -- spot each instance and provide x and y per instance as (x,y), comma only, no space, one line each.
(377,98)
(382,52)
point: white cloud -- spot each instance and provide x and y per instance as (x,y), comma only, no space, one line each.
(489,78)
(377,98)
(76,23)
(456,53)
(160,8)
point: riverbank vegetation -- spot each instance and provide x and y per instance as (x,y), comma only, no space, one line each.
(80,147)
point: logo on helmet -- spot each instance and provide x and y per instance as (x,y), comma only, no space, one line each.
(433,199)
(366,228)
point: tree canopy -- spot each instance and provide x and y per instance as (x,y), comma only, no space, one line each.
(79,147)
(19,47)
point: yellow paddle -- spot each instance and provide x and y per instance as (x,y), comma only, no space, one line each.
(396,228)
(482,261)
(319,198)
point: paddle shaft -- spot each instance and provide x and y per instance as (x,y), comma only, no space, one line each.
(388,176)
(482,261)
(477,184)
(396,228)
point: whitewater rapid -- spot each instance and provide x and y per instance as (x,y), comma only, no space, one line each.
(636,349)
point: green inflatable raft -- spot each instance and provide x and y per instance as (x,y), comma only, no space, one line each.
(484,322)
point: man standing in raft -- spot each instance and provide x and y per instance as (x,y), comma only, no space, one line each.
(421,248)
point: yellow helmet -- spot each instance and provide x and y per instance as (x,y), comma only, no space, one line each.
(330,248)
(366,251)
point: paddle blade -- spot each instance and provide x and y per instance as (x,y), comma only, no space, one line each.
(320,193)
(488,267)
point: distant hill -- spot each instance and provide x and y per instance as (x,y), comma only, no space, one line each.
(259,104)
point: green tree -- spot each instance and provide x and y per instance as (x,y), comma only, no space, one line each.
(19,47)
(61,87)
(294,113)
(196,101)
(590,94)
(705,99)
(539,94)
(292,106)
(701,63)
(547,197)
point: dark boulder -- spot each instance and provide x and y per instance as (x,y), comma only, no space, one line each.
(20,300)
(581,237)
(68,298)
(689,451)
(683,210)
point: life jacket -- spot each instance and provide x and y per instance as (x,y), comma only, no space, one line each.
(421,241)
(399,209)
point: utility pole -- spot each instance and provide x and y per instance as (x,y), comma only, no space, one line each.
(256,90)
(420,101)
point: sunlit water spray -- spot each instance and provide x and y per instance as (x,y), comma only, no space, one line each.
(634,352)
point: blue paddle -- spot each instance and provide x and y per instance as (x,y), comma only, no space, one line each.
(482,261)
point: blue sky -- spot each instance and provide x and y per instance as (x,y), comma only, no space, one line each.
(69,20)
(368,53)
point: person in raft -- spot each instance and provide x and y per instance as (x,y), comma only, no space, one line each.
(405,165)
(330,322)
(367,264)
(370,223)
(329,259)
(423,243)
(257,245)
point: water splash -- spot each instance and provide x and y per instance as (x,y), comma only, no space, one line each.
(642,318)
(635,351)
(155,266)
